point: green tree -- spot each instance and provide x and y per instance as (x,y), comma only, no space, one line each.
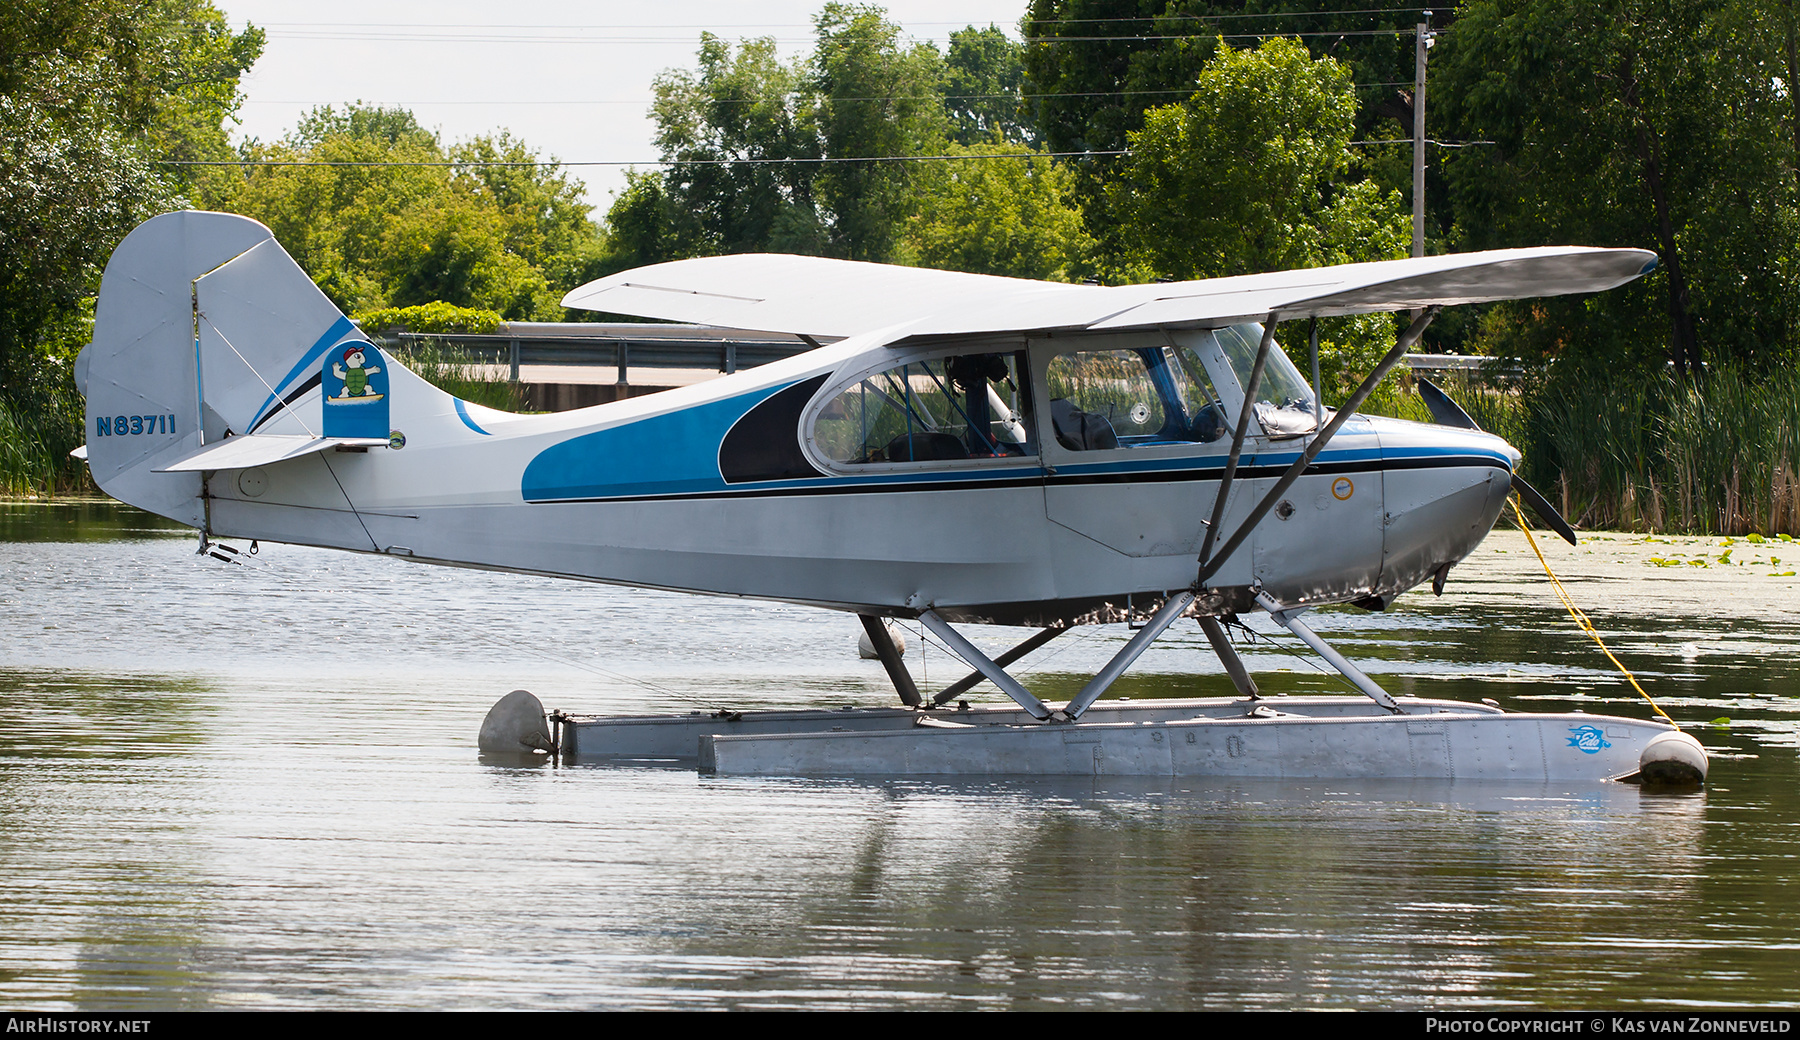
(646,225)
(878,100)
(1664,124)
(92,96)
(1254,172)
(729,127)
(1095,69)
(725,129)
(984,71)
(1011,217)
(441,225)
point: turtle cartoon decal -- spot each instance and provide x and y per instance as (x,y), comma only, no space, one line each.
(355,384)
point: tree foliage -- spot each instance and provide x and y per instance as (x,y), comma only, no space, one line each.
(92,96)
(1663,124)
(1253,172)
(1095,69)
(443,225)
(877,99)
(720,126)
(1012,217)
(744,134)
(984,77)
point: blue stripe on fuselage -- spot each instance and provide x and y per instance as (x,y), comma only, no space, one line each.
(677,453)
(670,454)
(462,412)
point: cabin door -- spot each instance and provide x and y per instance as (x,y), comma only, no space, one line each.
(1135,438)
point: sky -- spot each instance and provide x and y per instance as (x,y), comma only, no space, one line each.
(571,80)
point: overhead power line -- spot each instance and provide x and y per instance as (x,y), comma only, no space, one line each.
(414,36)
(642,162)
(753,101)
(1410,11)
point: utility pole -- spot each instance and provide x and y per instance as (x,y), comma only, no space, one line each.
(1421,44)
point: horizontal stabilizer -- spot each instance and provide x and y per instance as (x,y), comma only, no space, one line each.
(261,449)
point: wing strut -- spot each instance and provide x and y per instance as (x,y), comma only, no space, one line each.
(1237,438)
(1210,566)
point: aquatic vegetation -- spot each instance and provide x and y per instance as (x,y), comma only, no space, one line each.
(1654,453)
(35,445)
(452,371)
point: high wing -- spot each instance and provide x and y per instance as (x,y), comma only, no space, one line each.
(815,296)
(803,295)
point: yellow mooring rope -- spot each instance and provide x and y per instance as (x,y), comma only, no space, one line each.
(1581,619)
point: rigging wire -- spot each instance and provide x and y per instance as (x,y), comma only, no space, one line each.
(354,26)
(757,101)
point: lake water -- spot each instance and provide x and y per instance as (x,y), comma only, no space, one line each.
(256,787)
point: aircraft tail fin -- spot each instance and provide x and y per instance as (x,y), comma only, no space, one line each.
(213,350)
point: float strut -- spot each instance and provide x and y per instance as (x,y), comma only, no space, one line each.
(979,661)
(1159,623)
(1228,656)
(1289,619)
(967,682)
(891,659)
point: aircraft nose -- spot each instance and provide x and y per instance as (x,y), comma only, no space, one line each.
(1444,489)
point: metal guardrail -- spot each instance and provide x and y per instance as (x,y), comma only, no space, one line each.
(627,345)
(621,345)
(1471,364)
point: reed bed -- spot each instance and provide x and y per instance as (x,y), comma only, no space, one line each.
(35,442)
(452,372)
(1652,453)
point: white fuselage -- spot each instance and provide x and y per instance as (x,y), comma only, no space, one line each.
(1063,473)
(632,493)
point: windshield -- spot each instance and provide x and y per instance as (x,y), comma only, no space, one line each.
(1284,403)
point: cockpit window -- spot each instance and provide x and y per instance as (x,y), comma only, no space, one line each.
(1284,402)
(968,406)
(1131,398)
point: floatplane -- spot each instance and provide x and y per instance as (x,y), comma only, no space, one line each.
(956,449)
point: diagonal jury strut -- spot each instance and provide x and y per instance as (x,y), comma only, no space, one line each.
(1237,437)
(1210,565)
(968,682)
(994,673)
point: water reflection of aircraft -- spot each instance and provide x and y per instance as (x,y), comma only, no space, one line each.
(959,449)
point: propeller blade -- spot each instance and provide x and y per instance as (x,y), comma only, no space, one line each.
(1444,411)
(1542,507)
